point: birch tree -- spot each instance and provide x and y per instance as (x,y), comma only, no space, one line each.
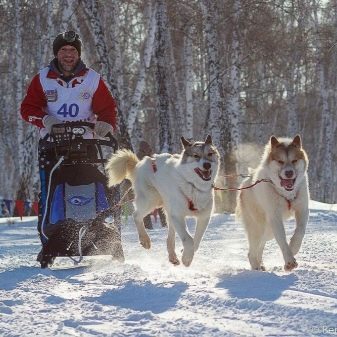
(188,58)
(234,74)
(143,68)
(231,139)
(326,139)
(215,126)
(162,104)
(68,17)
(90,8)
(26,141)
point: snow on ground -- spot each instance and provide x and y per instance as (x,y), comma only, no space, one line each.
(146,296)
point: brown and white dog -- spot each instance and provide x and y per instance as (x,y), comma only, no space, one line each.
(181,183)
(263,207)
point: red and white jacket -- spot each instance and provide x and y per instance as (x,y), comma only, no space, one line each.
(84,97)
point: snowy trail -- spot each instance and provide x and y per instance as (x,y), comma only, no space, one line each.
(146,296)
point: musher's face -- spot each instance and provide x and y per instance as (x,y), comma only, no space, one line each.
(67,58)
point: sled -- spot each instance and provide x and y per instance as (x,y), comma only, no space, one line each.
(76,213)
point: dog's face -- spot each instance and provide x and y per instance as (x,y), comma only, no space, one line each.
(203,158)
(287,161)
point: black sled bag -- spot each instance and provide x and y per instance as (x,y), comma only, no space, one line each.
(77,193)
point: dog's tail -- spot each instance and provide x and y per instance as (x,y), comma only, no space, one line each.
(120,166)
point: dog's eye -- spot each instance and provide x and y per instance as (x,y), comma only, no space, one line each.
(294,161)
(210,154)
(281,162)
(196,156)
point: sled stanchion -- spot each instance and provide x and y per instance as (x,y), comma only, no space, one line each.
(81,233)
(48,194)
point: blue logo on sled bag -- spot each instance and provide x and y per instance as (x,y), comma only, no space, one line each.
(79,200)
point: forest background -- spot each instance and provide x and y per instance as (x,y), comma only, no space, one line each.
(240,70)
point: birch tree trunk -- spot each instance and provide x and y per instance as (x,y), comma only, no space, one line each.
(215,98)
(219,123)
(114,34)
(90,8)
(144,66)
(233,100)
(188,58)
(326,139)
(291,102)
(165,136)
(48,33)
(24,163)
(68,19)
(292,67)
(233,107)
(176,106)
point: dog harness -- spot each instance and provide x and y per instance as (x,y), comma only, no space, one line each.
(190,203)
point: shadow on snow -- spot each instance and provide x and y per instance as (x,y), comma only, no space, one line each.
(263,286)
(143,297)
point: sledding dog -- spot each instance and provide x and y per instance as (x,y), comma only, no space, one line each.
(263,207)
(180,183)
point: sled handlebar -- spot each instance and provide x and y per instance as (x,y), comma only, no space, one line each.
(68,131)
(68,139)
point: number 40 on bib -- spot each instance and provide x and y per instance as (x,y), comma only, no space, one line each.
(70,110)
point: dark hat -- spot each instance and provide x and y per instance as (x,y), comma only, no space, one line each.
(69,38)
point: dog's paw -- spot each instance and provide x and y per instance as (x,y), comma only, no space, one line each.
(290,265)
(145,241)
(187,257)
(186,261)
(174,260)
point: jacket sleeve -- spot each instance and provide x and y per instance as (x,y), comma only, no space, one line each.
(33,105)
(104,105)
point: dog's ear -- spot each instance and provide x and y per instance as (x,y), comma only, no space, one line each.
(185,142)
(273,141)
(297,141)
(208,140)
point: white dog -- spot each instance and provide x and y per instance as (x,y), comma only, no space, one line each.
(263,207)
(181,183)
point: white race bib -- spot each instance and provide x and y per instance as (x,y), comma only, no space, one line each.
(69,104)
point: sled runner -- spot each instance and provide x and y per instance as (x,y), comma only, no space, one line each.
(76,217)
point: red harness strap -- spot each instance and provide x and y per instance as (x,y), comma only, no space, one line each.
(290,201)
(191,205)
(154,165)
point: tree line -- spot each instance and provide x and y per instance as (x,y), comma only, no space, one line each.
(240,70)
